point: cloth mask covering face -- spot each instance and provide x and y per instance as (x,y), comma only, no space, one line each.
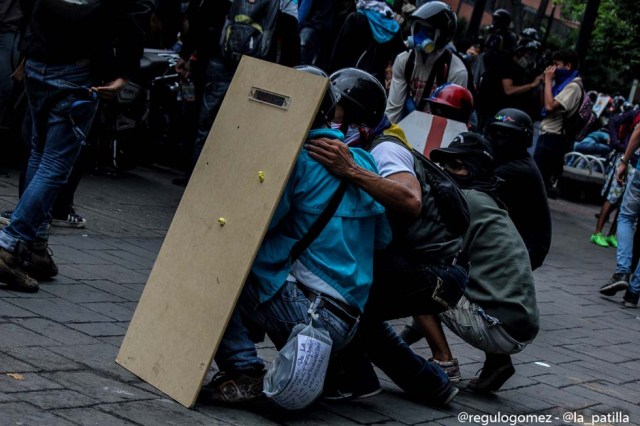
(353,132)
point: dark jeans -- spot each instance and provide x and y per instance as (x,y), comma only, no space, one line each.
(218,76)
(8,63)
(62,110)
(401,288)
(549,156)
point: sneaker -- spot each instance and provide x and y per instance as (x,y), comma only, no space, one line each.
(617,282)
(342,394)
(491,377)
(452,368)
(447,395)
(612,240)
(630,299)
(234,388)
(5,217)
(13,273)
(73,220)
(599,240)
(41,265)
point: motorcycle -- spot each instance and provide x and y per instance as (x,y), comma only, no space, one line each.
(141,125)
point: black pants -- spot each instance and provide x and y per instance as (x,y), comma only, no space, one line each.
(549,156)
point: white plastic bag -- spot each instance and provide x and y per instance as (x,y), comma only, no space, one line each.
(296,377)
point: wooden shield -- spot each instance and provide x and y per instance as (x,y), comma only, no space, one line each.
(219,225)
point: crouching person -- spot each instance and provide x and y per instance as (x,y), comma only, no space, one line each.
(498,313)
(333,274)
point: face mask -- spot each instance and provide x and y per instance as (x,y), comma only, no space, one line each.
(421,42)
(562,73)
(335,125)
(352,136)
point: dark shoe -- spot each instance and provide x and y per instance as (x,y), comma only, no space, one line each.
(358,380)
(630,299)
(491,377)
(447,395)
(72,220)
(41,265)
(234,387)
(452,368)
(359,392)
(617,282)
(5,217)
(13,274)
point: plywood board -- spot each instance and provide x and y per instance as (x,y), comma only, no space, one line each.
(201,267)
(426,132)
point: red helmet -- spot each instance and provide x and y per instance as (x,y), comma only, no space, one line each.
(452,101)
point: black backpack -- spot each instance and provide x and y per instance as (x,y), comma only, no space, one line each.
(248,29)
(450,202)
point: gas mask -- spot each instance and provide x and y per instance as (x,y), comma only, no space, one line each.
(422,38)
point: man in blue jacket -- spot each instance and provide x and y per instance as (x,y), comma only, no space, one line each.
(335,271)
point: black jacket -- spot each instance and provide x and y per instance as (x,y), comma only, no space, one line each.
(110,33)
(523,193)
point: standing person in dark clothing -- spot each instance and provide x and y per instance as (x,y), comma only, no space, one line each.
(368,40)
(10,18)
(522,189)
(69,47)
(315,22)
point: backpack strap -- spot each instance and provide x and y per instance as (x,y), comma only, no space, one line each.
(303,243)
(438,75)
(408,68)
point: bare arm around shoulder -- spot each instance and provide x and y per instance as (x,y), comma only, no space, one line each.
(400,191)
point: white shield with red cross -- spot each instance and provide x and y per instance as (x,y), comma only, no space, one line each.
(426,132)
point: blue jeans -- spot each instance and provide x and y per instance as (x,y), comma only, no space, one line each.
(8,63)
(629,212)
(218,76)
(402,288)
(61,109)
(277,317)
(589,146)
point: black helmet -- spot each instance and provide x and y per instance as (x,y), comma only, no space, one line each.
(517,124)
(438,15)
(328,106)
(530,33)
(361,96)
(501,18)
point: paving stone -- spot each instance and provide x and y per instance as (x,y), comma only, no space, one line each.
(20,413)
(126,260)
(101,357)
(99,329)
(7,310)
(55,331)
(127,292)
(398,407)
(115,311)
(60,310)
(318,418)
(112,340)
(43,359)
(83,294)
(30,382)
(358,411)
(14,335)
(113,273)
(611,404)
(56,399)
(9,364)
(64,254)
(91,417)
(74,273)
(98,387)
(160,411)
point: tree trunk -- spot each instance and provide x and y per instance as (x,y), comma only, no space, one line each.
(542,11)
(476,18)
(588,22)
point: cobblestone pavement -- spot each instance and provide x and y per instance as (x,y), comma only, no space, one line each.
(57,347)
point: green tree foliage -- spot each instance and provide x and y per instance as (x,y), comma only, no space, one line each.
(613,58)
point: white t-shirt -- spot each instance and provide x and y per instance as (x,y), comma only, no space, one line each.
(391,158)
